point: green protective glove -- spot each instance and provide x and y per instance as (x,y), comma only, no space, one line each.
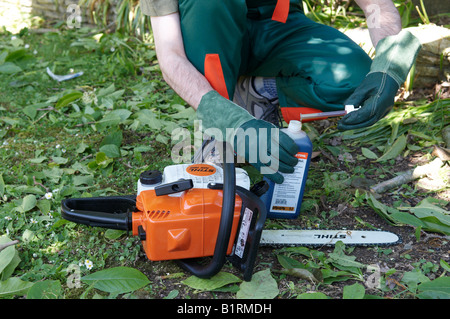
(395,55)
(260,143)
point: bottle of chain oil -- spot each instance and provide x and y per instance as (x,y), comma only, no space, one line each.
(284,200)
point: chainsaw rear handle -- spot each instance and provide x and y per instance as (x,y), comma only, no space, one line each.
(114,212)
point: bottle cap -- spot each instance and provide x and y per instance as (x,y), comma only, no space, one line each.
(295,126)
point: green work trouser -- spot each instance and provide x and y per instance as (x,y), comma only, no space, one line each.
(315,65)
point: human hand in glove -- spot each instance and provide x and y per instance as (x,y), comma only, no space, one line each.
(394,57)
(261,143)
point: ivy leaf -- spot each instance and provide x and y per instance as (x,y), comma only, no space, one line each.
(262,286)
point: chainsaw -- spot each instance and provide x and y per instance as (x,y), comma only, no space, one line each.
(192,211)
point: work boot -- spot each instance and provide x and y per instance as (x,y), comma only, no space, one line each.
(260,107)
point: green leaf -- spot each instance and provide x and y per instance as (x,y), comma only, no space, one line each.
(395,150)
(2,186)
(219,280)
(9,270)
(312,295)
(37,160)
(117,280)
(83,180)
(110,150)
(413,278)
(102,160)
(47,289)
(113,233)
(444,265)
(59,160)
(288,262)
(14,287)
(9,68)
(28,203)
(368,153)
(7,254)
(110,119)
(436,289)
(355,291)
(147,117)
(262,286)
(115,138)
(44,206)
(340,259)
(68,98)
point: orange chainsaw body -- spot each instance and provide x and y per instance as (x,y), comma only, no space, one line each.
(181,226)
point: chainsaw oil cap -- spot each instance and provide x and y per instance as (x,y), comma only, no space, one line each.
(150,177)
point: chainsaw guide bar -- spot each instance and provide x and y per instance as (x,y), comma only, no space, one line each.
(320,237)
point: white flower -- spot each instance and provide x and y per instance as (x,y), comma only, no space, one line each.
(89,97)
(63,150)
(33,221)
(113,49)
(8,218)
(26,46)
(48,195)
(88,264)
(58,146)
(13,37)
(35,52)
(35,255)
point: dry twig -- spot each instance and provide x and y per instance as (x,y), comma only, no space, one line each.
(408,176)
(3,246)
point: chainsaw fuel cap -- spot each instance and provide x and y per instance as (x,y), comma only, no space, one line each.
(150,177)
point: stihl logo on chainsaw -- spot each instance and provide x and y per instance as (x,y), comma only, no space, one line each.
(330,236)
(201,170)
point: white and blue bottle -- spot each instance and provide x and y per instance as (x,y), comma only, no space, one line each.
(284,200)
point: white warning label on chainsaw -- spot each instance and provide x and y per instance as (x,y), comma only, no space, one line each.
(285,196)
(243,232)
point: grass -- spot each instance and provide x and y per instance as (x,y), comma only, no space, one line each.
(53,138)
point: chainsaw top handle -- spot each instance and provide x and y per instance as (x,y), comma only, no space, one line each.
(225,226)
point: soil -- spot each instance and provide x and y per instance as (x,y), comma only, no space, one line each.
(403,257)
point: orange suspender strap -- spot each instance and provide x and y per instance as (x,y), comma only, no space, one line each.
(214,74)
(281,11)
